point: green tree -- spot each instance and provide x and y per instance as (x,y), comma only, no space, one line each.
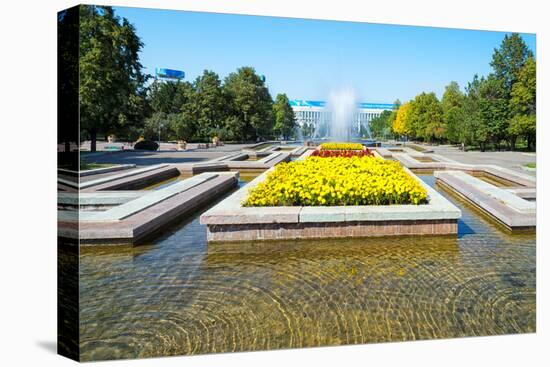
(507,62)
(475,131)
(509,58)
(307,130)
(168,96)
(157,122)
(380,126)
(67,79)
(209,104)
(523,104)
(426,117)
(452,106)
(285,122)
(111,90)
(173,111)
(181,126)
(493,106)
(251,113)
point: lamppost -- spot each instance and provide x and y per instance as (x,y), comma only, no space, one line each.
(160,127)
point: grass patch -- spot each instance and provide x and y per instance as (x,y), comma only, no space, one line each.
(531,165)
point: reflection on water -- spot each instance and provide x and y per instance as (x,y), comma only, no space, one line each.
(179,295)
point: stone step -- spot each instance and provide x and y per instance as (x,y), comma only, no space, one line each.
(503,205)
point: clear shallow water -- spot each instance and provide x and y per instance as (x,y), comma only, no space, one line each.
(178,295)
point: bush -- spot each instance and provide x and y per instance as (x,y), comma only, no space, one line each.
(146,145)
(337,181)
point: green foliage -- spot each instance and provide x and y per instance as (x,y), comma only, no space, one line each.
(496,108)
(452,105)
(523,104)
(380,126)
(168,96)
(181,127)
(307,130)
(425,117)
(285,123)
(474,131)
(523,95)
(237,110)
(250,105)
(508,62)
(208,104)
(114,99)
(111,90)
(509,58)
(452,97)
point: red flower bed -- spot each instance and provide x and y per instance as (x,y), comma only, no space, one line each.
(342,153)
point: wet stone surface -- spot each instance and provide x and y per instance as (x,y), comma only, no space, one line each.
(178,295)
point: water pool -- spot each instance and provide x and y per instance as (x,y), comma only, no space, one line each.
(179,295)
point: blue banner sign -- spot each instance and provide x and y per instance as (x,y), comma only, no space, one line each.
(169,73)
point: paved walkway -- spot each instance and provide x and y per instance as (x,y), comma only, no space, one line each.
(511,160)
(165,155)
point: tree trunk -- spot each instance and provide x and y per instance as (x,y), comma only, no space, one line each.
(530,142)
(513,142)
(93,140)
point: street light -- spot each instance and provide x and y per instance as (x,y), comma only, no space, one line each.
(160,127)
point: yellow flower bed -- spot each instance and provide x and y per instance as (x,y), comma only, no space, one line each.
(341,146)
(337,181)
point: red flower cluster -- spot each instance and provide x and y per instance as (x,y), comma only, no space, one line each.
(342,153)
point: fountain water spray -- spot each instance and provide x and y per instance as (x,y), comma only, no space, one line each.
(342,104)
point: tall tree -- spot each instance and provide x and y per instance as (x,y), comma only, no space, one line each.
(393,116)
(523,103)
(452,106)
(509,58)
(156,127)
(426,117)
(401,124)
(182,126)
(173,113)
(285,122)
(209,104)
(307,130)
(251,115)
(494,109)
(111,79)
(475,131)
(507,62)
(168,96)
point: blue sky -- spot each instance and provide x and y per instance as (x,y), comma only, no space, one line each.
(307,58)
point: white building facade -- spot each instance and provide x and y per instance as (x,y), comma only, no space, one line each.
(314,113)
